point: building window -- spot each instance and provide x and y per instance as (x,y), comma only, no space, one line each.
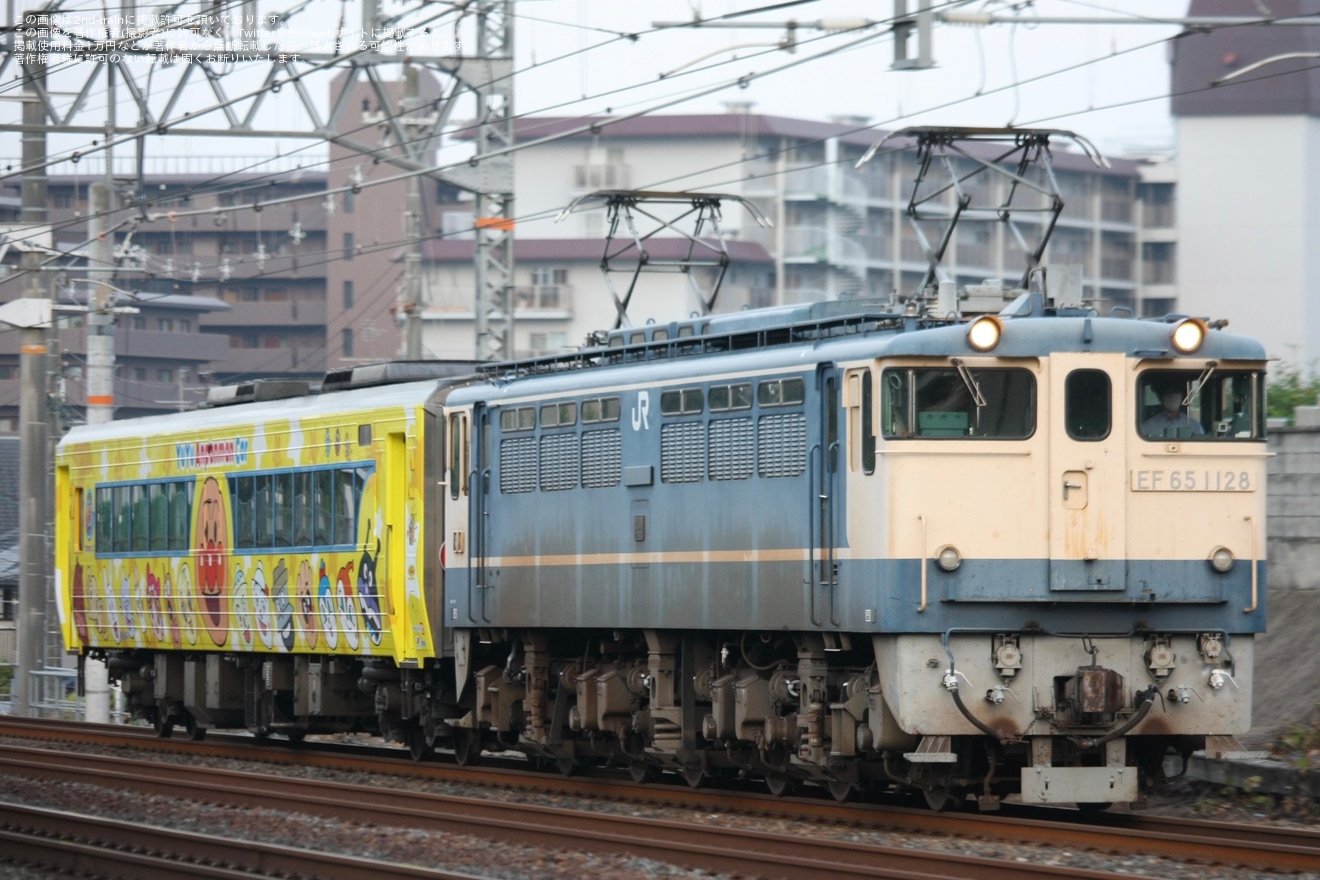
(544,276)
(348,342)
(164,375)
(348,245)
(350,198)
(348,294)
(139,322)
(139,374)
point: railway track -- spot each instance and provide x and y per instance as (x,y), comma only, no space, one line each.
(93,846)
(697,845)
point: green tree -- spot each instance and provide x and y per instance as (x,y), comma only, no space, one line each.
(1289,389)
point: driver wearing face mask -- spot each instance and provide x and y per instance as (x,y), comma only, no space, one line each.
(1171,420)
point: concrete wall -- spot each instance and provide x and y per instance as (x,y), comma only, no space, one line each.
(1294,503)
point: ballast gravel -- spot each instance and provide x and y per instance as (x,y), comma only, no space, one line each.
(490,860)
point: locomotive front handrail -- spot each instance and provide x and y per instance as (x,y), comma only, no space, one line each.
(922,518)
(811,537)
(1255,583)
(832,450)
(485,584)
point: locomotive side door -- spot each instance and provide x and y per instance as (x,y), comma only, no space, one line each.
(1085,480)
(824,465)
(479,572)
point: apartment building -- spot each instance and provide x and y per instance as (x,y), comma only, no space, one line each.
(1249,178)
(835,230)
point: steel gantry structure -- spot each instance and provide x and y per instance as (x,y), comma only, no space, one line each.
(216,52)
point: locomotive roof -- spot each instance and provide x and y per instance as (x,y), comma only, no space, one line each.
(1040,336)
(802,336)
(219,418)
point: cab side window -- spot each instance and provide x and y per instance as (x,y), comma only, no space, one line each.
(958,402)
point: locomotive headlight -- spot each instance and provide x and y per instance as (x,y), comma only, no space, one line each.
(949,558)
(983,333)
(1188,334)
(1221,559)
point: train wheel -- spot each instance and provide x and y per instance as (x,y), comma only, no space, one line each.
(695,777)
(467,746)
(939,799)
(840,791)
(419,747)
(641,772)
(779,786)
(296,736)
(567,765)
(163,725)
(196,732)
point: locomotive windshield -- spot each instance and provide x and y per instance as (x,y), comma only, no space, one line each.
(1207,404)
(948,402)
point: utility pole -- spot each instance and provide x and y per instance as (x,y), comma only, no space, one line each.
(100,382)
(33,486)
(412,228)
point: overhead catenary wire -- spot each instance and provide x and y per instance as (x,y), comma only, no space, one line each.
(1043,76)
(320,194)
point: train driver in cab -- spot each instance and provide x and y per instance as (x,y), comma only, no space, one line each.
(1171,420)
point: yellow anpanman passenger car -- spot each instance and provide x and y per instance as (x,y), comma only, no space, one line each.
(292,525)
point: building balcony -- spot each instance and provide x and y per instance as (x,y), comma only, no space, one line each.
(258,362)
(555,297)
(270,220)
(1116,268)
(153,345)
(1157,215)
(245,267)
(1157,272)
(158,344)
(531,303)
(817,245)
(830,184)
(267,314)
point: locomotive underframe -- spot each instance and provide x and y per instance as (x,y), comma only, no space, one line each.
(986,714)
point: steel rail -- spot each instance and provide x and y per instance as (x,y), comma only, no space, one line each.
(749,853)
(1258,845)
(101,847)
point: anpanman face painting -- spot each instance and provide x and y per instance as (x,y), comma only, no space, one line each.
(305,595)
(213,561)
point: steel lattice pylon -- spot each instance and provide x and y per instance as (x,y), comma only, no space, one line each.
(163,110)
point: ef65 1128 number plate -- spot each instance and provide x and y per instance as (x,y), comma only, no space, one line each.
(1192,480)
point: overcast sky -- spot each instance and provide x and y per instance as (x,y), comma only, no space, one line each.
(1051,75)
(1107,82)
